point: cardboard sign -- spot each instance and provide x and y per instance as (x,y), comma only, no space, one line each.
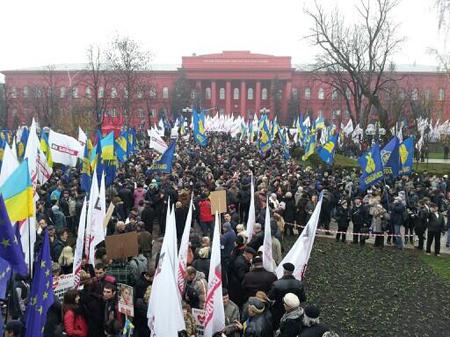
(122,245)
(218,201)
(63,283)
(199,317)
(126,306)
(108,214)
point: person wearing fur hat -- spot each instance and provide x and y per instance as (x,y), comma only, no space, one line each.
(257,324)
(257,278)
(311,323)
(291,322)
(342,219)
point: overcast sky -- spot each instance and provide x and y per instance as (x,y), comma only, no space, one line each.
(41,32)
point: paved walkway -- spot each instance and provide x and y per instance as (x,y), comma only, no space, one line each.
(435,161)
(371,240)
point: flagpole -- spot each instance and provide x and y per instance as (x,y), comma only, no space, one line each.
(29,247)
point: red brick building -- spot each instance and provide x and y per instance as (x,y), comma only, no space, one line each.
(237,82)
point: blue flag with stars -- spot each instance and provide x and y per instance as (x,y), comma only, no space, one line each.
(5,274)
(41,293)
(10,249)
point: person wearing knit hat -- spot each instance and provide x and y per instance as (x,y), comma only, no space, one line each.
(257,323)
(311,323)
(291,322)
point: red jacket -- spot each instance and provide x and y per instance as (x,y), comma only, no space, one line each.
(205,211)
(75,325)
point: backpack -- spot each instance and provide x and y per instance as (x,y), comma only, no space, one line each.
(138,265)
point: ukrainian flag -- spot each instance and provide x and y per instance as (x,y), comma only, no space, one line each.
(86,171)
(46,148)
(319,123)
(17,192)
(310,147)
(93,157)
(107,144)
(131,146)
(121,146)
(22,144)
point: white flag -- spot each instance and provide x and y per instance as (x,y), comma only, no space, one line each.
(14,149)
(44,171)
(164,313)
(183,252)
(9,164)
(65,149)
(96,213)
(78,256)
(251,211)
(214,311)
(31,152)
(156,142)
(299,254)
(267,245)
(82,139)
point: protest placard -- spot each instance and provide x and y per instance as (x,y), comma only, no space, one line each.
(126,306)
(122,245)
(218,201)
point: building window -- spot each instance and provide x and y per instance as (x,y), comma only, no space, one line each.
(140,94)
(250,93)
(125,93)
(88,92)
(348,93)
(334,94)
(101,92)
(308,93)
(13,93)
(38,92)
(208,93)
(113,112)
(222,93)
(140,113)
(402,93)
(236,93)
(441,94)
(62,92)
(264,94)
(294,92)
(427,94)
(26,91)
(74,92)
(153,92)
(165,92)
(14,112)
(193,94)
(152,113)
(321,94)
(415,94)
(113,92)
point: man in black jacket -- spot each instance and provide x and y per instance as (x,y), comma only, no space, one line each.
(287,284)
(361,221)
(238,268)
(257,279)
(436,226)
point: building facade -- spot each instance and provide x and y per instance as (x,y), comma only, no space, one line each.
(231,82)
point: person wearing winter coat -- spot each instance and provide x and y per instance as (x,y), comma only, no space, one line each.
(397,219)
(180,218)
(138,265)
(420,217)
(286,284)
(75,324)
(436,226)
(232,315)
(342,219)
(227,240)
(361,221)
(206,219)
(291,321)
(196,288)
(378,214)
(311,323)
(201,263)
(239,266)
(257,324)
(257,278)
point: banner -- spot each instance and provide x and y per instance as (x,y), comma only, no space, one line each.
(63,283)
(156,142)
(65,149)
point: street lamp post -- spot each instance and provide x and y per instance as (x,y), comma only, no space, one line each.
(264,111)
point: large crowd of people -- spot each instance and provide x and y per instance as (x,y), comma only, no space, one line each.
(256,303)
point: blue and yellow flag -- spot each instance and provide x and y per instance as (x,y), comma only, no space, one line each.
(41,292)
(86,171)
(17,192)
(131,145)
(22,143)
(275,129)
(372,167)
(10,249)
(327,151)
(164,163)
(199,128)
(2,148)
(121,146)
(310,146)
(45,148)
(284,146)
(390,158)
(107,144)
(406,151)
(319,123)
(265,141)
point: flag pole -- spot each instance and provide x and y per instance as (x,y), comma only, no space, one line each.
(29,247)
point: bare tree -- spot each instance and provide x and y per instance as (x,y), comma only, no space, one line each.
(126,59)
(356,56)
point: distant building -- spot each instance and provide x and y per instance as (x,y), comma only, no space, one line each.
(237,82)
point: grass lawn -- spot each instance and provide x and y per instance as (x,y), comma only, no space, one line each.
(368,292)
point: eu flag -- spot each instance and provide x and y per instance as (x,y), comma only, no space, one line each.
(406,151)
(10,249)
(199,128)
(390,158)
(372,167)
(5,274)
(164,163)
(41,293)
(326,152)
